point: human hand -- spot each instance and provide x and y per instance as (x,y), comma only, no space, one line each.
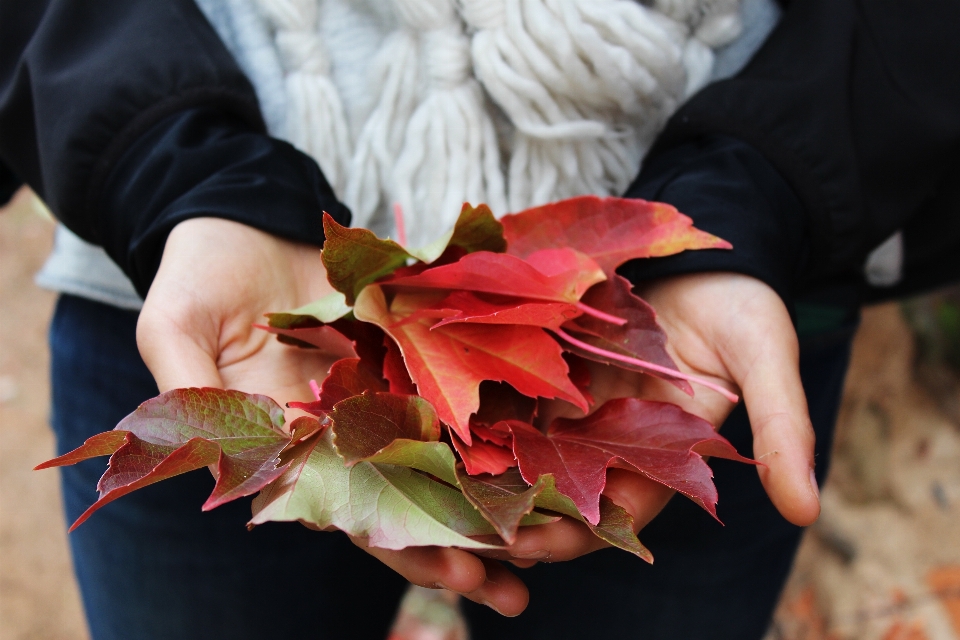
(733,330)
(215,279)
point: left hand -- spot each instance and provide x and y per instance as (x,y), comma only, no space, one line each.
(733,330)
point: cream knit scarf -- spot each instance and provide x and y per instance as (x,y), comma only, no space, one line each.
(509,102)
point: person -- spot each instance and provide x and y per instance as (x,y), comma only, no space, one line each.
(136,125)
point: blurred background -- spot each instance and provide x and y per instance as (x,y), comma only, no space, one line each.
(883,562)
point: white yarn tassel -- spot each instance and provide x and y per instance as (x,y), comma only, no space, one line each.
(449,153)
(378,145)
(588,83)
(316,123)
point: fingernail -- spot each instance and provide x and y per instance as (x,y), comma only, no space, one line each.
(490,604)
(539,554)
(813,484)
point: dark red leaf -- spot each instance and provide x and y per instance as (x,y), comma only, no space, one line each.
(395,371)
(347,377)
(499,401)
(609,230)
(365,424)
(659,440)
(641,337)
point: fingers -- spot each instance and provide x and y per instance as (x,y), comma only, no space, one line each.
(768,372)
(481,580)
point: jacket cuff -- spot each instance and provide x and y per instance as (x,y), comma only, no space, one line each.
(730,190)
(201,162)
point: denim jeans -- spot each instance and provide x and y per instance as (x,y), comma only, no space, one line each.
(153,566)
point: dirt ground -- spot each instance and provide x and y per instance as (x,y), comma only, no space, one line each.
(882,563)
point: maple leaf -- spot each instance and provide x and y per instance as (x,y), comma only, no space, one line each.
(448,363)
(484,455)
(365,424)
(395,371)
(658,440)
(187,429)
(609,230)
(568,274)
(481,308)
(640,338)
(325,338)
(327,309)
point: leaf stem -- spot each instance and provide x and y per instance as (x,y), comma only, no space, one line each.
(399,224)
(596,313)
(315,388)
(732,397)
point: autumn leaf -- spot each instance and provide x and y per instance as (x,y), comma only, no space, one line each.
(327,309)
(356,257)
(480,308)
(615,526)
(609,230)
(569,274)
(348,377)
(392,506)
(448,363)
(395,371)
(483,456)
(365,424)
(659,440)
(503,499)
(475,230)
(325,338)
(640,338)
(187,429)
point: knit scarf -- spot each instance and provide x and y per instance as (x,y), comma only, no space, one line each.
(509,102)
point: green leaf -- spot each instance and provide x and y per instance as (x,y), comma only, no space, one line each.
(615,526)
(503,499)
(476,230)
(392,506)
(327,309)
(356,257)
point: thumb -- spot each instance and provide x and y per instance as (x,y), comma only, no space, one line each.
(783,436)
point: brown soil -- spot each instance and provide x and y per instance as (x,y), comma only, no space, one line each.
(883,561)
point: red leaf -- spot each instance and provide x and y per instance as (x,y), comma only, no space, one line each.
(186,429)
(493,309)
(324,337)
(572,274)
(138,464)
(641,337)
(102,444)
(484,456)
(365,424)
(498,402)
(449,363)
(395,371)
(348,377)
(579,376)
(609,230)
(659,440)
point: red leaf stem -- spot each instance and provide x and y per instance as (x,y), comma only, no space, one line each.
(732,397)
(316,389)
(600,315)
(398,222)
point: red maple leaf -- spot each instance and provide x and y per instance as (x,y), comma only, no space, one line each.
(659,440)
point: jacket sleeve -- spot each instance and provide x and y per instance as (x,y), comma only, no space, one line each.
(129,116)
(855,108)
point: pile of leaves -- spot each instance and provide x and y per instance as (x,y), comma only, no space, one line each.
(425,430)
